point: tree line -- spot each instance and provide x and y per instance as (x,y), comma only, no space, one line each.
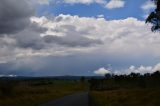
(133,80)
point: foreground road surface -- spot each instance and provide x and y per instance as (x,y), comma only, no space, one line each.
(79,99)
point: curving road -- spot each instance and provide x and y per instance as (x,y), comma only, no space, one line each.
(78,99)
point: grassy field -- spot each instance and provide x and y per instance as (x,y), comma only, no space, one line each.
(132,97)
(32,94)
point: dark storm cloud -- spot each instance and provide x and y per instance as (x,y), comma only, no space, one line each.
(36,28)
(72,41)
(73,38)
(14,15)
(29,39)
(15,20)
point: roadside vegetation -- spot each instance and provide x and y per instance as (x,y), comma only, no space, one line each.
(126,90)
(32,92)
(127,97)
(112,90)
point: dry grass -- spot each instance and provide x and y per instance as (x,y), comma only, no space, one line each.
(27,95)
(134,97)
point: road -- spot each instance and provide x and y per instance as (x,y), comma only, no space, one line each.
(78,99)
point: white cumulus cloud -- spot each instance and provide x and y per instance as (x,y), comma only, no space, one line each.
(102,71)
(147,7)
(84,1)
(66,35)
(141,69)
(115,4)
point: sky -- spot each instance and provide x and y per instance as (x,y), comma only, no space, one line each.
(77,37)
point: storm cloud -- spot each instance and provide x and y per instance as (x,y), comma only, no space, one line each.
(14,15)
(72,41)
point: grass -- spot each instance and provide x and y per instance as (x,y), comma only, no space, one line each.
(31,95)
(123,97)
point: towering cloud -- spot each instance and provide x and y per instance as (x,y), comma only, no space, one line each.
(71,34)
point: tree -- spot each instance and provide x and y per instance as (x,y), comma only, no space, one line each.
(154,17)
(108,76)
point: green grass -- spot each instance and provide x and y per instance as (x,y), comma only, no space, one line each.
(132,97)
(29,95)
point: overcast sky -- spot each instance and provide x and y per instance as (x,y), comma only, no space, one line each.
(77,37)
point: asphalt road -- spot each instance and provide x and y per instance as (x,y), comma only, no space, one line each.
(78,99)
